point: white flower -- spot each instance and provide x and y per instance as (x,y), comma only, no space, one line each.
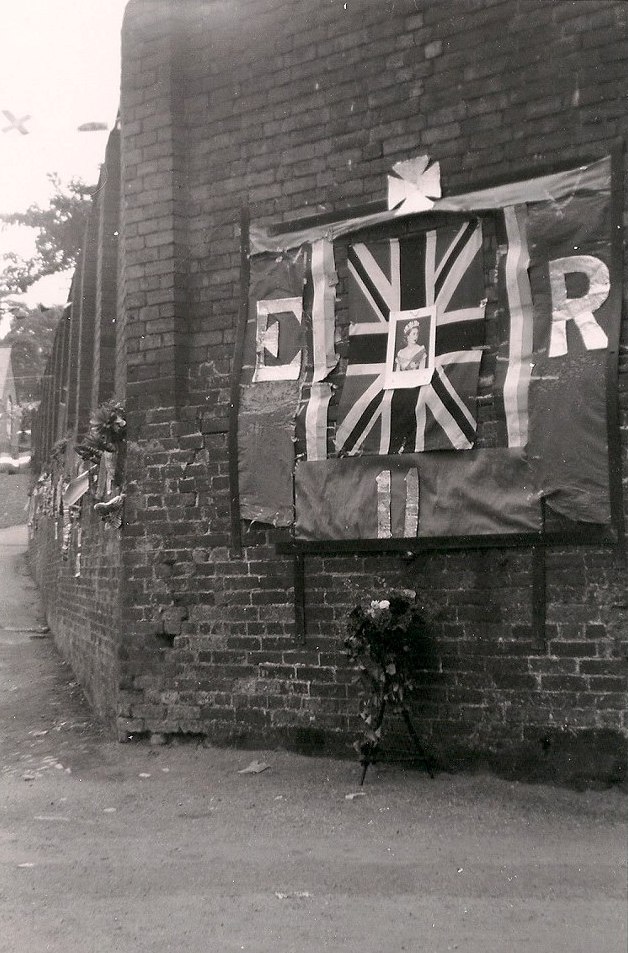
(384,604)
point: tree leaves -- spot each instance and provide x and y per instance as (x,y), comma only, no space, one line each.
(60,234)
(30,338)
(60,228)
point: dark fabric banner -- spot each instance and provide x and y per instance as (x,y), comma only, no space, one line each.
(410,495)
(570,265)
(269,396)
(266,452)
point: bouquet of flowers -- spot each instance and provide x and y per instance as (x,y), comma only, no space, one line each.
(107,432)
(107,425)
(384,642)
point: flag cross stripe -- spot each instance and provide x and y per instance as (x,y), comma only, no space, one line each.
(433,268)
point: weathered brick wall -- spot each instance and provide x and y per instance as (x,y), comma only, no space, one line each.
(83,611)
(295,108)
(108,210)
(298,108)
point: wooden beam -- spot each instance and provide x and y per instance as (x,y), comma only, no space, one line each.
(539,598)
(595,536)
(236,371)
(613,416)
(299,598)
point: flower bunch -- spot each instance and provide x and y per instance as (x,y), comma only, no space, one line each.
(89,449)
(108,424)
(384,641)
(107,431)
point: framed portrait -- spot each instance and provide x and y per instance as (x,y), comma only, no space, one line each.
(410,348)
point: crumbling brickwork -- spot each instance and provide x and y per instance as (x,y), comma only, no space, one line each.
(83,609)
(296,108)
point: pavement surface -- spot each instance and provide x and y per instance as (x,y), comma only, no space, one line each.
(14,497)
(139,849)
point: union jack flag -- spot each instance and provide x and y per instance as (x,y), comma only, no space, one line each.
(440,268)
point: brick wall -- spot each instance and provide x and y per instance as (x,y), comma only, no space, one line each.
(108,214)
(296,108)
(83,610)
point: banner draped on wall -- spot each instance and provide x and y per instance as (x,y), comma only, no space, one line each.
(570,266)
(359,417)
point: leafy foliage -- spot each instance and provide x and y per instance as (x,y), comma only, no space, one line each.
(89,449)
(31,338)
(60,230)
(385,641)
(16,276)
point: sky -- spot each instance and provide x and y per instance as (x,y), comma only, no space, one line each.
(60,65)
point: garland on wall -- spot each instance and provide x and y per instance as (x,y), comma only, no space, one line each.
(102,452)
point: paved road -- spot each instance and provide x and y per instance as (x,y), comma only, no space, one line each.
(108,848)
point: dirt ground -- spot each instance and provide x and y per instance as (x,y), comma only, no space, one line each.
(139,849)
